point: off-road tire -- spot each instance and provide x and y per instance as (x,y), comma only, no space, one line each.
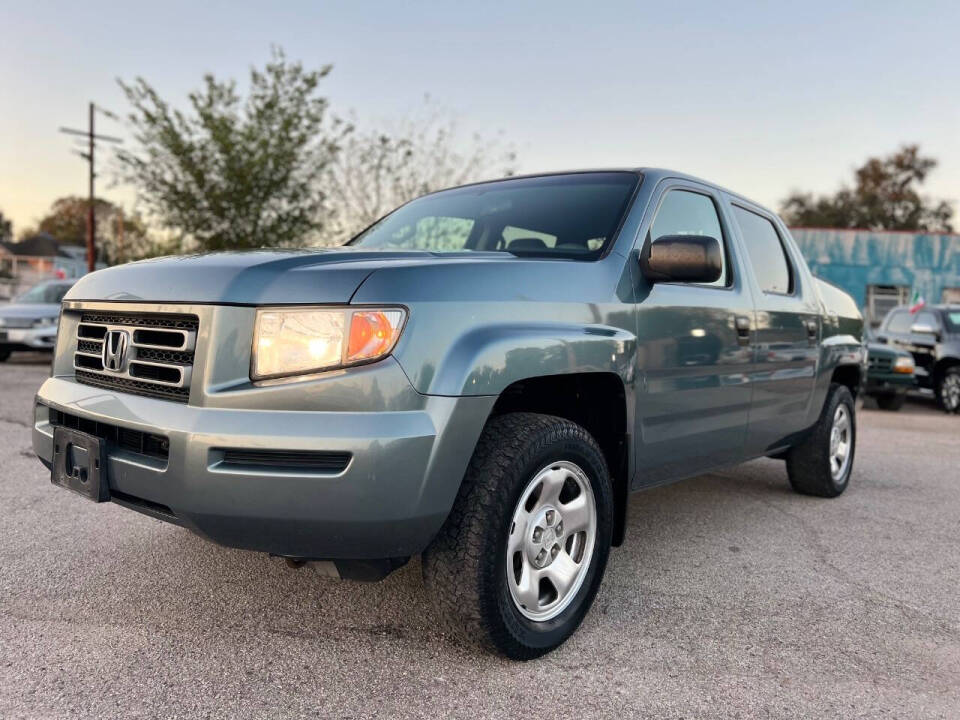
(808,463)
(946,403)
(892,401)
(465,566)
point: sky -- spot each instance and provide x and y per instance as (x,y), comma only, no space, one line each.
(763,98)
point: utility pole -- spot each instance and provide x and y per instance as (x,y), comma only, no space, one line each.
(88,156)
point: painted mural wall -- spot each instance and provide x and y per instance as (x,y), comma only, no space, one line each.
(854,259)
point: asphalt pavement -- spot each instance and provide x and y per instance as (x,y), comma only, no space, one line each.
(732,598)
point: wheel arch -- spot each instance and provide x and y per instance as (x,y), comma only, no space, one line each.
(942,364)
(597,401)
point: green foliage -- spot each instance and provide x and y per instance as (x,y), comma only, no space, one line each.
(121,237)
(233,172)
(66,221)
(6,228)
(885,197)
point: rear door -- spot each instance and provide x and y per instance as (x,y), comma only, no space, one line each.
(787,330)
(693,349)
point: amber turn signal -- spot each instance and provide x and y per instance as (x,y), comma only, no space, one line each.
(372,334)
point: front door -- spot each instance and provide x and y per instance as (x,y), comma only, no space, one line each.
(693,350)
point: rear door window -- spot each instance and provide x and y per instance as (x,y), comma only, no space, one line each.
(765,250)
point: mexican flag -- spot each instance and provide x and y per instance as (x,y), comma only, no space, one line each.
(916,302)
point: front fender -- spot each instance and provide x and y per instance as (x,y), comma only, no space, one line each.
(486,359)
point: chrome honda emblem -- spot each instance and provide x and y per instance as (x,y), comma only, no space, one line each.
(115,350)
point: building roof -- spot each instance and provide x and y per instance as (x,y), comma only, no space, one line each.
(39,245)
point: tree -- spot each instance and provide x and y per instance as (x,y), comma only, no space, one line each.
(378,171)
(66,221)
(885,197)
(235,172)
(6,228)
(121,237)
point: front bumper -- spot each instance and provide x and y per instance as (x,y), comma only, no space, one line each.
(389,502)
(889,383)
(43,338)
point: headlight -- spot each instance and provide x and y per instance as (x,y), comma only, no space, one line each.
(45,322)
(304,340)
(903,364)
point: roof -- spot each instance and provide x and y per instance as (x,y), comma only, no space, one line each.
(648,173)
(39,245)
(951,307)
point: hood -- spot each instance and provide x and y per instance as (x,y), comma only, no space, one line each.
(876,348)
(257,277)
(31,310)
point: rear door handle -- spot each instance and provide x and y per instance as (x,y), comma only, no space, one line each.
(743,329)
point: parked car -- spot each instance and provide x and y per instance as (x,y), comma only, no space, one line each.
(29,322)
(483,376)
(890,375)
(932,336)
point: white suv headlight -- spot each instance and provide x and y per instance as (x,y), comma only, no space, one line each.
(296,341)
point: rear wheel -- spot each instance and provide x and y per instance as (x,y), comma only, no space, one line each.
(520,558)
(4,354)
(822,463)
(893,401)
(948,390)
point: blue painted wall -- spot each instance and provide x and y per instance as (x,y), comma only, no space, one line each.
(853,259)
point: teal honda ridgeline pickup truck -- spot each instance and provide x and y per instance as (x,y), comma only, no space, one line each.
(483,377)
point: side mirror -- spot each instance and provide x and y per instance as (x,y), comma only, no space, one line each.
(923,329)
(682,258)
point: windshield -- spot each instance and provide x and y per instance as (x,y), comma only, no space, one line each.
(44,294)
(572,215)
(953,320)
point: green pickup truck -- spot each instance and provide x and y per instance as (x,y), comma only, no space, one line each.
(890,375)
(482,377)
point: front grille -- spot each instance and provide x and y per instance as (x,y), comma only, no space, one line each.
(161,320)
(880,363)
(155,446)
(156,359)
(310,460)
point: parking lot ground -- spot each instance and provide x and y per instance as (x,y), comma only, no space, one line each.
(732,597)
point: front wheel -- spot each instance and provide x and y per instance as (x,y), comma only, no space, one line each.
(520,558)
(948,390)
(822,463)
(4,354)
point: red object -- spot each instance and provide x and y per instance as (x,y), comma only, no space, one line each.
(60,274)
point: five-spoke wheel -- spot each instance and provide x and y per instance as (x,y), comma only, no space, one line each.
(551,540)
